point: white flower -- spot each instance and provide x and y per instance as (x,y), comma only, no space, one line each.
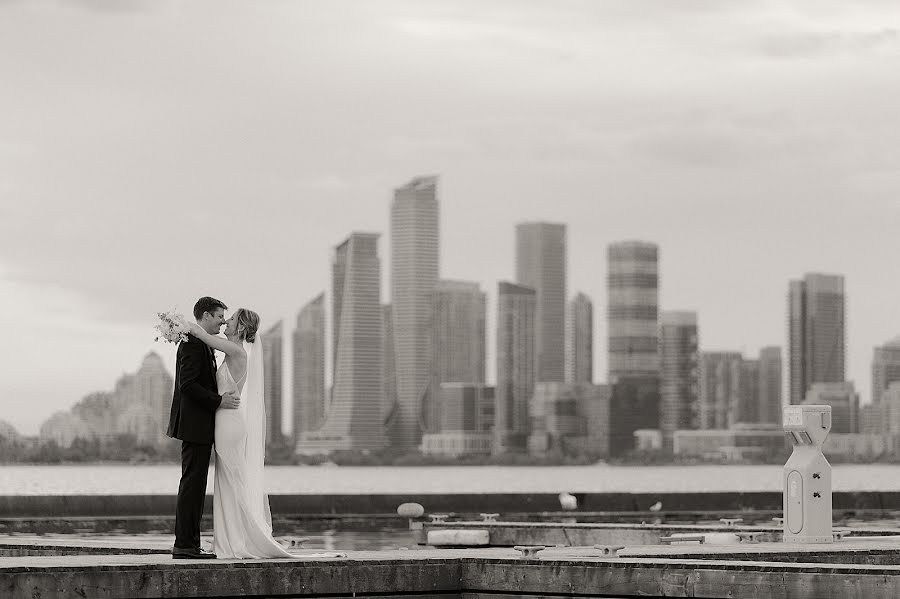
(172,327)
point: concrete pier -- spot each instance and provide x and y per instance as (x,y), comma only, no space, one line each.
(767,572)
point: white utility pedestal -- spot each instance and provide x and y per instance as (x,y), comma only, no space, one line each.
(807,476)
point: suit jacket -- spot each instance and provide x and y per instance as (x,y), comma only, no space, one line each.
(195,400)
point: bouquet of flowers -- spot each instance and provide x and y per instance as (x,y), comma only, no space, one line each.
(172,327)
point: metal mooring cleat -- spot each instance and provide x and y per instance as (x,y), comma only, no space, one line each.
(489,517)
(529,551)
(438,518)
(730,522)
(612,550)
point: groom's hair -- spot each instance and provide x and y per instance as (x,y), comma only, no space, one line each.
(207,304)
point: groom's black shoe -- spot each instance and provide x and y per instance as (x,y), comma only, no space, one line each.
(191,553)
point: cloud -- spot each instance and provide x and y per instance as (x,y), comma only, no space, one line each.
(820,44)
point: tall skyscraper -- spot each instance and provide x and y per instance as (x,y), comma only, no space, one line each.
(720,380)
(633,287)
(541,265)
(885,367)
(353,419)
(679,373)
(414,272)
(309,367)
(272,340)
(747,408)
(389,366)
(633,406)
(580,340)
(516,308)
(458,339)
(633,341)
(816,331)
(770,385)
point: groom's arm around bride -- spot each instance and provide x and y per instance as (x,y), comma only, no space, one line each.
(196,401)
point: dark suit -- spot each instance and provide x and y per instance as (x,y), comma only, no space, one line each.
(193,421)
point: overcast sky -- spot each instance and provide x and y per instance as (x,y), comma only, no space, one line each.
(154,152)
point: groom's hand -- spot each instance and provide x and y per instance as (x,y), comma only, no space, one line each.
(230,401)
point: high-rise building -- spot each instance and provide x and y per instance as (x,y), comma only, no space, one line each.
(679,374)
(389,367)
(465,423)
(633,287)
(572,418)
(633,341)
(580,340)
(458,339)
(516,307)
(273,371)
(309,367)
(633,406)
(720,381)
(746,409)
(735,390)
(770,385)
(154,390)
(541,265)
(882,418)
(138,406)
(816,332)
(353,418)
(885,367)
(414,272)
(844,402)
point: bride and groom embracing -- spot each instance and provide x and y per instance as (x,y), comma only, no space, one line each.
(223,408)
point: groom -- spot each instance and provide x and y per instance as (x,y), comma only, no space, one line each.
(193,421)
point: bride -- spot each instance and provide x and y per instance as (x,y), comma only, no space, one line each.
(242,521)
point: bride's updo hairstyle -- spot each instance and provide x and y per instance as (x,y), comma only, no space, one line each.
(247,324)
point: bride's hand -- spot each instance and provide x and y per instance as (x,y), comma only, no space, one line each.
(191,327)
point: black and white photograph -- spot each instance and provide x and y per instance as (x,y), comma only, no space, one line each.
(449,298)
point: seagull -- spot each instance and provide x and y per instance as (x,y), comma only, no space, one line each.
(568,501)
(656,506)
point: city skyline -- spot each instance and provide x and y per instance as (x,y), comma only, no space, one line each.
(180,159)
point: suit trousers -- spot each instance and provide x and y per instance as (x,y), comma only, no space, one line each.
(191,493)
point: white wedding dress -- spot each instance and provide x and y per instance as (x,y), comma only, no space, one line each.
(242,521)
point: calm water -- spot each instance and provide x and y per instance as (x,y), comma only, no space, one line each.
(152,480)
